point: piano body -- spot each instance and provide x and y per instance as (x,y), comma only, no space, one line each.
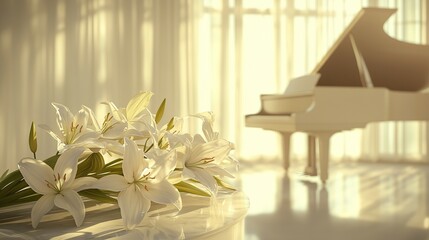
(366,76)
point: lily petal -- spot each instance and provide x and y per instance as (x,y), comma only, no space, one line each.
(83,183)
(205,116)
(81,119)
(36,173)
(198,140)
(112,182)
(133,206)
(162,192)
(217,149)
(133,163)
(41,207)
(179,139)
(71,201)
(188,173)
(175,177)
(66,165)
(55,136)
(117,114)
(215,170)
(86,136)
(114,147)
(137,104)
(116,131)
(206,179)
(64,116)
(208,131)
(165,165)
(91,115)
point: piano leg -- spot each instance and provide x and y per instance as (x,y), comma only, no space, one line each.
(323,139)
(311,169)
(286,149)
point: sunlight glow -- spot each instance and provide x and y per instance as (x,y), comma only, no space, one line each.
(262,188)
(345,201)
(100,23)
(60,47)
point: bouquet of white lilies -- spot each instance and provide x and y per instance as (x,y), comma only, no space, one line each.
(128,159)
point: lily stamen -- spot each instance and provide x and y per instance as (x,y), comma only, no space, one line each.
(144,177)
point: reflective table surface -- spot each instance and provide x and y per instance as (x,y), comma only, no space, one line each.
(200,218)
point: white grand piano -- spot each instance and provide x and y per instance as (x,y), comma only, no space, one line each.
(366,76)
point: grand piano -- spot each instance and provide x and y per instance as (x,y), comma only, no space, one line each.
(365,77)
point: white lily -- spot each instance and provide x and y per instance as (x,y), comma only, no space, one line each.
(73,128)
(136,112)
(208,119)
(211,135)
(202,161)
(58,186)
(144,181)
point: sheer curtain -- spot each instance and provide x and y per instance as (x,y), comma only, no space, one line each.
(215,55)
(87,52)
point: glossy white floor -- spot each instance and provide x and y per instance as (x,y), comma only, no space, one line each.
(360,201)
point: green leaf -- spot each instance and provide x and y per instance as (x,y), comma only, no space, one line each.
(190,188)
(98,195)
(52,160)
(224,184)
(3,176)
(170,124)
(160,112)
(11,199)
(94,163)
(32,139)
(137,104)
(29,198)
(9,179)
(116,161)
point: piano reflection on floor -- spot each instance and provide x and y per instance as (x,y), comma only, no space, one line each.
(365,77)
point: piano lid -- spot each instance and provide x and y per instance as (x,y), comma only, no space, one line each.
(391,63)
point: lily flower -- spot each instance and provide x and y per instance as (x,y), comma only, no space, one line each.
(208,119)
(73,128)
(202,161)
(144,181)
(136,114)
(211,135)
(58,186)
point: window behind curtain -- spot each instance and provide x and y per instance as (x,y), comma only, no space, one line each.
(252,47)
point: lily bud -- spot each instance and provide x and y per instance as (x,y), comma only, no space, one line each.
(32,139)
